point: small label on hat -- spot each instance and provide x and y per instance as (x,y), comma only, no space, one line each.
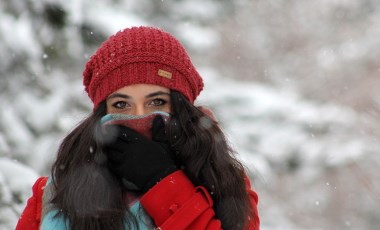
(164,74)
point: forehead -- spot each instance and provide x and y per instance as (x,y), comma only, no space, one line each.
(142,89)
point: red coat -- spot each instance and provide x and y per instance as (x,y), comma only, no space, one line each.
(174,203)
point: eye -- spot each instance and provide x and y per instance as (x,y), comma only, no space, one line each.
(120,104)
(158,102)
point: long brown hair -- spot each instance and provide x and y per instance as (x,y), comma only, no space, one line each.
(92,198)
(208,160)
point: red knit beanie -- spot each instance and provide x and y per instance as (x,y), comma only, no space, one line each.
(140,55)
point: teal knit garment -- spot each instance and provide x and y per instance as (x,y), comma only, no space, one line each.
(50,222)
(50,219)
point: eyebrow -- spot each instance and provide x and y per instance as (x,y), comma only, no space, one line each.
(158,93)
(118,95)
(154,94)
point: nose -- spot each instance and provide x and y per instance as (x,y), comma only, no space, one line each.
(140,110)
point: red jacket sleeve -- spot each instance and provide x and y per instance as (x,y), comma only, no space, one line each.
(31,216)
(175,203)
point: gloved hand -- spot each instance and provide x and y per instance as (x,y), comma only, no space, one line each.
(139,162)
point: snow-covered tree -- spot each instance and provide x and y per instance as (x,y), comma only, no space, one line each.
(293,83)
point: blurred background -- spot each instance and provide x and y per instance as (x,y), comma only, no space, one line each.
(294,84)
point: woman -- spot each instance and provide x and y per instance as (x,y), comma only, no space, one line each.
(169,167)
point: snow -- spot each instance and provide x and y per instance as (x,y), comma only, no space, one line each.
(14,128)
(16,180)
(110,19)
(306,158)
(25,175)
(278,124)
(196,37)
(22,39)
(206,10)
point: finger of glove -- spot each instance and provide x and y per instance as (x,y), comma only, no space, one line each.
(130,185)
(115,132)
(120,171)
(159,134)
(115,156)
(174,129)
(158,129)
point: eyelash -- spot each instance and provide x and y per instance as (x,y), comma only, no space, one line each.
(161,101)
(117,104)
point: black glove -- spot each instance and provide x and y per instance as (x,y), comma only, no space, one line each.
(140,163)
(174,132)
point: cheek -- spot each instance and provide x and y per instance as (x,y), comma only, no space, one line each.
(167,108)
(108,109)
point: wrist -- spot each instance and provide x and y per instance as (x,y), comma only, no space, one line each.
(159,176)
(175,189)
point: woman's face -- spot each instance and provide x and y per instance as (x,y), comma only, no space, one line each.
(139,99)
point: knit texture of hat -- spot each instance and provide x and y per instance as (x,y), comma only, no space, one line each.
(140,55)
